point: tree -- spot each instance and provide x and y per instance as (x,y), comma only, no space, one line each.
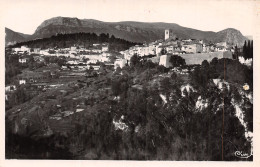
(31,59)
(149,64)
(134,60)
(214,61)
(205,64)
(163,51)
(162,69)
(174,76)
(112,58)
(245,50)
(47,59)
(61,62)
(248,49)
(31,63)
(165,84)
(91,68)
(115,86)
(85,60)
(236,53)
(177,61)
(251,50)
(118,70)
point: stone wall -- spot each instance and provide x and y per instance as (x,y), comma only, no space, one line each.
(198,58)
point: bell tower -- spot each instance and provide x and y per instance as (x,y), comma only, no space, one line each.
(167,34)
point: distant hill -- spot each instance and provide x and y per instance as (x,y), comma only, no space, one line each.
(231,36)
(12,37)
(131,31)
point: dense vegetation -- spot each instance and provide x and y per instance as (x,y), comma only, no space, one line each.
(230,70)
(12,67)
(155,129)
(176,131)
(248,49)
(83,39)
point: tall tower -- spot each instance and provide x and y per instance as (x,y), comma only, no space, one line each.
(167,34)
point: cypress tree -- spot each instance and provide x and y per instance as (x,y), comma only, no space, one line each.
(236,52)
(251,50)
(248,49)
(244,50)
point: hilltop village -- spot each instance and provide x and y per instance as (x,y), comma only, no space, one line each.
(80,59)
(160,100)
(187,48)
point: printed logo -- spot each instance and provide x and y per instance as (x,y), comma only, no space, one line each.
(240,154)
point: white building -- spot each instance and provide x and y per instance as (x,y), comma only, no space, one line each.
(10,88)
(201,42)
(92,61)
(247,62)
(169,49)
(72,52)
(105,56)
(73,62)
(95,67)
(164,60)
(96,50)
(158,49)
(152,49)
(25,49)
(120,63)
(74,56)
(127,56)
(17,49)
(96,44)
(187,40)
(220,49)
(90,56)
(22,81)
(36,50)
(192,48)
(224,44)
(206,48)
(73,48)
(44,52)
(104,48)
(23,60)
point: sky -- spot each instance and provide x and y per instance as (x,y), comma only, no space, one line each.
(207,15)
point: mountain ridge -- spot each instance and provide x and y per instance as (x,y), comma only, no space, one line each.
(13,37)
(133,31)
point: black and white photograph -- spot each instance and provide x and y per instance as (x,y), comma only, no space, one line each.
(136,80)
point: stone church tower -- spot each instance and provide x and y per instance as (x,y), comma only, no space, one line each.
(169,34)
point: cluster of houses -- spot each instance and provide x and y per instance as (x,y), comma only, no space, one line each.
(76,57)
(173,45)
(194,51)
(176,47)
(98,52)
(77,60)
